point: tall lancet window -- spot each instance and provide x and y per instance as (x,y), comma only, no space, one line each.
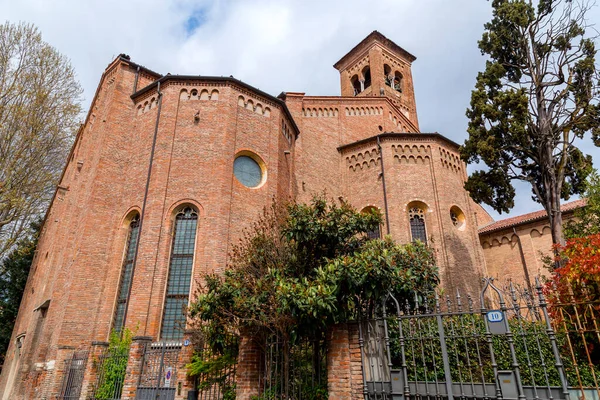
(180,275)
(126,273)
(416,216)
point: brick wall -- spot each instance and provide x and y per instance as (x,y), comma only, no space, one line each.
(344,366)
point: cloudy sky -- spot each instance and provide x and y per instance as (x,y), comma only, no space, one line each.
(277,45)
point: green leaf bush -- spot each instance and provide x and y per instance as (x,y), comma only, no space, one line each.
(113,366)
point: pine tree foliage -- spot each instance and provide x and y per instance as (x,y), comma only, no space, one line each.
(538,95)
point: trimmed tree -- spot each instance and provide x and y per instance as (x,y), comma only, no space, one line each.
(538,95)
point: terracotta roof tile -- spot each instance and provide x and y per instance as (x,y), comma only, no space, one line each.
(529,217)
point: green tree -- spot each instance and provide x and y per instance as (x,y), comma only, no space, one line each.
(39,112)
(538,95)
(586,221)
(13,277)
(297,271)
(303,267)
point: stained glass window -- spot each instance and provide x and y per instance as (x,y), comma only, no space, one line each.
(126,273)
(417,224)
(247,171)
(180,275)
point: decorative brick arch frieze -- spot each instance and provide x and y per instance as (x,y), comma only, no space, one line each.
(326,112)
(450,160)
(415,154)
(363,159)
(363,111)
(146,105)
(199,94)
(358,67)
(253,106)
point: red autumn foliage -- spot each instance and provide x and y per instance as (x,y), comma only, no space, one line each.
(574,297)
(580,271)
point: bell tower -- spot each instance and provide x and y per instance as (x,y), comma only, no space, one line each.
(379,67)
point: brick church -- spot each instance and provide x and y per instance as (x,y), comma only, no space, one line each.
(168,170)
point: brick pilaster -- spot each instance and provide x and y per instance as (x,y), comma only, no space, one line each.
(248,367)
(91,369)
(344,366)
(184,383)
(134,366)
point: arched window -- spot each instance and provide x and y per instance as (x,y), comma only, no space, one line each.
(375,233)
(387,74)
(180,274)
(367,76)
(126,273)
(355,84)
(398,81)
(416,216)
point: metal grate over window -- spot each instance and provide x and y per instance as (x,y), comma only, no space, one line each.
(180,275)
(375,233)
(417,224)
(126,272)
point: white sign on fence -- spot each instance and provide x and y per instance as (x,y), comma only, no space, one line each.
(168,376)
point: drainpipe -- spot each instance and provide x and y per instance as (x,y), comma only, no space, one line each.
(135,82)
(135,256)
(523,263)
(385,203)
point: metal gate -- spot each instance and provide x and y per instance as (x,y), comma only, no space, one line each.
(74,372)
(158,377)
(111,367)
(447,348)
(294,369)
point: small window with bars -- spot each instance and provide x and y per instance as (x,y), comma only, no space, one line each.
(375,233)
(416,217)
(180,275)
(126,273)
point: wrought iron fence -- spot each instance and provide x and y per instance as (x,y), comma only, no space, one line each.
(110,368)
(158,376)
(576,319)
(215,379)
(502,345)
(294,369)
(74,373)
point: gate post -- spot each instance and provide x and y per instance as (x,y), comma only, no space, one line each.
(91,369)
(344,363)
(134,366)
(248,368)
(63,353)
(184,383)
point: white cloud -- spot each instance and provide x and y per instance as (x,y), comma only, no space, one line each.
(277,45)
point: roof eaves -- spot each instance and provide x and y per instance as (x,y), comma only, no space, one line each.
(375,35)
(399,135)
(229,79)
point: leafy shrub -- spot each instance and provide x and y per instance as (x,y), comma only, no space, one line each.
(114,365)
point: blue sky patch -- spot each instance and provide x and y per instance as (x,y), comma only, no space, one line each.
(195,20)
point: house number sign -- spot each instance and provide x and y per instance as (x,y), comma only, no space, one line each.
(496,323)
